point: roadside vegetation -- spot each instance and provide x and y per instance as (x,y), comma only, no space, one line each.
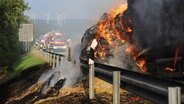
(22,64)
(12,15)
(26,62)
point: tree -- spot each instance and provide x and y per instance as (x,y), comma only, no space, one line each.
(12,15)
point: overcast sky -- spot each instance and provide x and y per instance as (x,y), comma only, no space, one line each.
(75,9)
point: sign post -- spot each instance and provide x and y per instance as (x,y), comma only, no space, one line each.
(26,35)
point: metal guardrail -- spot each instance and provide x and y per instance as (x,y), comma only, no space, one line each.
(155,89)
(54,59)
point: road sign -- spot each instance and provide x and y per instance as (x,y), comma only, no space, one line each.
(26,33)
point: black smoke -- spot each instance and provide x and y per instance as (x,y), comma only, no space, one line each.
(157,23)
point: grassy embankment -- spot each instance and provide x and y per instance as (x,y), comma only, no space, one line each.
(22,64)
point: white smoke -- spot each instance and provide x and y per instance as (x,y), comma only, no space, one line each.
(69,70)
(123,59)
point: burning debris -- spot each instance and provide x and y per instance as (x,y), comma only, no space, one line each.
(79,95)
(42,84)
(35,93)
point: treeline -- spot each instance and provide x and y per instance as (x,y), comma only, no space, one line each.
(11,16)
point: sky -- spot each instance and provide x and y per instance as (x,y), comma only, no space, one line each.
(70,9)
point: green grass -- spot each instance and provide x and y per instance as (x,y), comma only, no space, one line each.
(21,65)
(26,62)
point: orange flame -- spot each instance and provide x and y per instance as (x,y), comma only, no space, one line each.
(114,12)
(176,55)
(173,69)
(106,29)
(141,65)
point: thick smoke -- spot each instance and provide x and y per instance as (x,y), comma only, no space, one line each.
(122,59)
(71,70)
(67,70)
(157,22)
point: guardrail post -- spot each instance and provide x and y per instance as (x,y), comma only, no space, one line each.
(61,60)
(54,61)
(50,62)
(91,62)
(69,49)
(91,81)
(44,58)
(69,54)
(47,57)
(57,61)
(174,95)
(116,87)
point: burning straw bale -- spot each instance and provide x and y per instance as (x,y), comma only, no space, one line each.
(114,33)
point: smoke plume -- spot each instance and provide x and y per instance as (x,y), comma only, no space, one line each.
(157,22)
(67,70)
(122,59)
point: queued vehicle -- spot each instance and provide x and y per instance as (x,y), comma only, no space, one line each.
(58,44)
(53,42)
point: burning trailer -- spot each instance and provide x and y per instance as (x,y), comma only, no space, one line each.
(141,36)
